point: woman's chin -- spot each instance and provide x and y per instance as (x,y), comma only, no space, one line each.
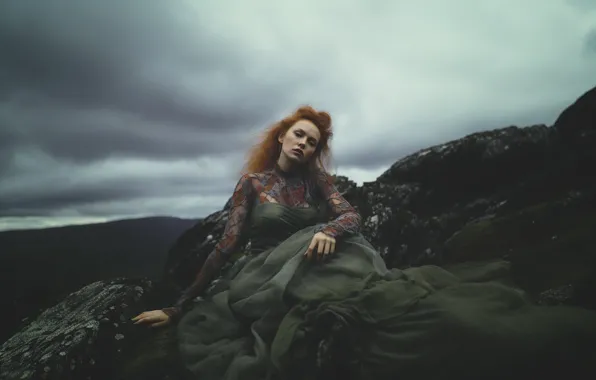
(295,158)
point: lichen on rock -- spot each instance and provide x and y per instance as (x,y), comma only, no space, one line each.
(68,339)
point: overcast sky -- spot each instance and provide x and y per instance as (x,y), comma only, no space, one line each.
(112,109)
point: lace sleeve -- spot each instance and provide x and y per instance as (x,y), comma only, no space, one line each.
(241,201)
(347,220)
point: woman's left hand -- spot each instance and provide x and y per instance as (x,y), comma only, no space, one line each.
(153,318)
(324,244)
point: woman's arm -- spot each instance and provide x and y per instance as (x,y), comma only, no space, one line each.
(347,220)
(241,203)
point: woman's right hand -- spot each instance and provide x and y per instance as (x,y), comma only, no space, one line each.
(153,318)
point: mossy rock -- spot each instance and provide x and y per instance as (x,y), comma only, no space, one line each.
(549,244)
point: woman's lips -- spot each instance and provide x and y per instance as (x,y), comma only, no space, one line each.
(298,152)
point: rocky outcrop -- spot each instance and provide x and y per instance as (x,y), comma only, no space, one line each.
(578,121)
(526,194)
(82,337)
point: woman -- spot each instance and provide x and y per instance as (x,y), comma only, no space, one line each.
(315,299)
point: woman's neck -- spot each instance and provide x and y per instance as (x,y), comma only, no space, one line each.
(286,169)
(284,164)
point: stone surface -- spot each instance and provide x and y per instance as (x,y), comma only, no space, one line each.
(81,337)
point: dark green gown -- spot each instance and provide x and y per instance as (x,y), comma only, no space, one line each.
(279,316)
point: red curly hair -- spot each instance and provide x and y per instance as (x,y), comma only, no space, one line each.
(264,155)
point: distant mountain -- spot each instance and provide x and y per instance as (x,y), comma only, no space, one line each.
(38,267)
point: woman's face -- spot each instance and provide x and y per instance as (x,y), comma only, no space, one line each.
(300,141)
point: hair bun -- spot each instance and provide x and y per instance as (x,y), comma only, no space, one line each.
(321,118)
(324,119)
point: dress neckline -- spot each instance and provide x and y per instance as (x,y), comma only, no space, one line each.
(294,173)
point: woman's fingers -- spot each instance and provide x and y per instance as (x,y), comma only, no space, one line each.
(145,320)
(139,316)
(321,248)
(151,321)
(327,248)
(311,247)
(149,317)
(160,323)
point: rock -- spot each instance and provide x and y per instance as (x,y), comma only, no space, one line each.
(579,119)
(477,164)
(556,296)
(81,337)
(192,248)
(550,244)
(576,127)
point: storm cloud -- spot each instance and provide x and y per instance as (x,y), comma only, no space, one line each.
(114,109)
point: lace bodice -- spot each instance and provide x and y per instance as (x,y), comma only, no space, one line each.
(272,186)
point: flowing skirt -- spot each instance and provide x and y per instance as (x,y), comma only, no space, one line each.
(283,317)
